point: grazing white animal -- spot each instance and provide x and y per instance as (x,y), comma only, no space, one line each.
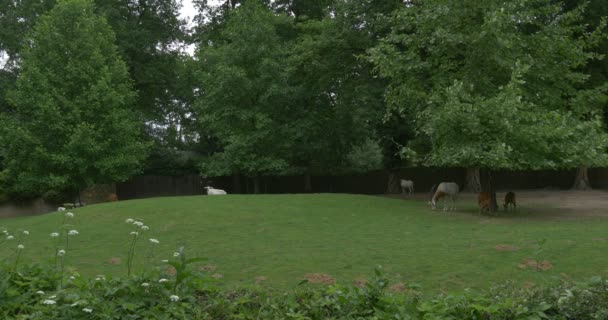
(444,190)
(214,192)
(407,184)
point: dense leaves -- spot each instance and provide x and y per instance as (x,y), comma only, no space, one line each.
(242,100)
(494,84)
(70,125)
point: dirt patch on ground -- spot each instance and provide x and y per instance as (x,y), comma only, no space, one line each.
(533,264)
(208,268)
(535,204)
(566,204)
(115,260)
(398,288)
(319,278)
(260,279)
(360,282)
(170,270)
(505,247)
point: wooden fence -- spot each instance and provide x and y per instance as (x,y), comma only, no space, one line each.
(369,183)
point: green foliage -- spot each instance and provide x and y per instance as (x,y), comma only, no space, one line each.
(365,157)
(242,102)
(70,124)
(30,293)
(148,35)
(508,82)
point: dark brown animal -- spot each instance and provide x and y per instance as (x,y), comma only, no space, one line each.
(484,199)
(510,201)
(112,197)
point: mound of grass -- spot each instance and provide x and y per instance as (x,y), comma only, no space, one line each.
(278,240)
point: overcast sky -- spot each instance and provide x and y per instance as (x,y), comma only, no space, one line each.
(188,11)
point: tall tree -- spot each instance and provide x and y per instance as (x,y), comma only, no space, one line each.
(149,35)
(70,124)
(494,85)
(241,101)
(595,12)
(337,100)
(16,19)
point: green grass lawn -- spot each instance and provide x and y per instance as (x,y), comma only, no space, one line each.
(283,237)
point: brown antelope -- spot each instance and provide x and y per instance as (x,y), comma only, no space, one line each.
(484,200)
(510,201)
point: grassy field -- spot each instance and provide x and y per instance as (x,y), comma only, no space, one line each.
(284,237)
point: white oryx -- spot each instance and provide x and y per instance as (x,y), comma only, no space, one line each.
(407,184)
(445,189)
(213,192)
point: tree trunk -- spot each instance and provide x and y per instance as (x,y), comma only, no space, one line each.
(256,184)
(581,181)
(473,181)
(307,182)
(393,186)
(487,185)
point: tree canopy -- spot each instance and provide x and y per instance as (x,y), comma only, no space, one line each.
(241,99)
(494,85)
(70,124)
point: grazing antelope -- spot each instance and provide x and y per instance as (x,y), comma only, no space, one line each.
(407,184)
(484,199)
(445,189)
(510,201)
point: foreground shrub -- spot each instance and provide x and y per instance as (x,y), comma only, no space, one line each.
(31,293)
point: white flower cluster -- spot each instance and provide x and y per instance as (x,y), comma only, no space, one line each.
(48,301)
(9,237)
(145,284)
(134,233)
(137,224)
(154,241)
(20,247)
(25,232)
(61,253)
(73,232)
(61,209)
(163,280)
(87,310)
(174,298)
(69,215)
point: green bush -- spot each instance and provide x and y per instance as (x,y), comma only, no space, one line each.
(32,293)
